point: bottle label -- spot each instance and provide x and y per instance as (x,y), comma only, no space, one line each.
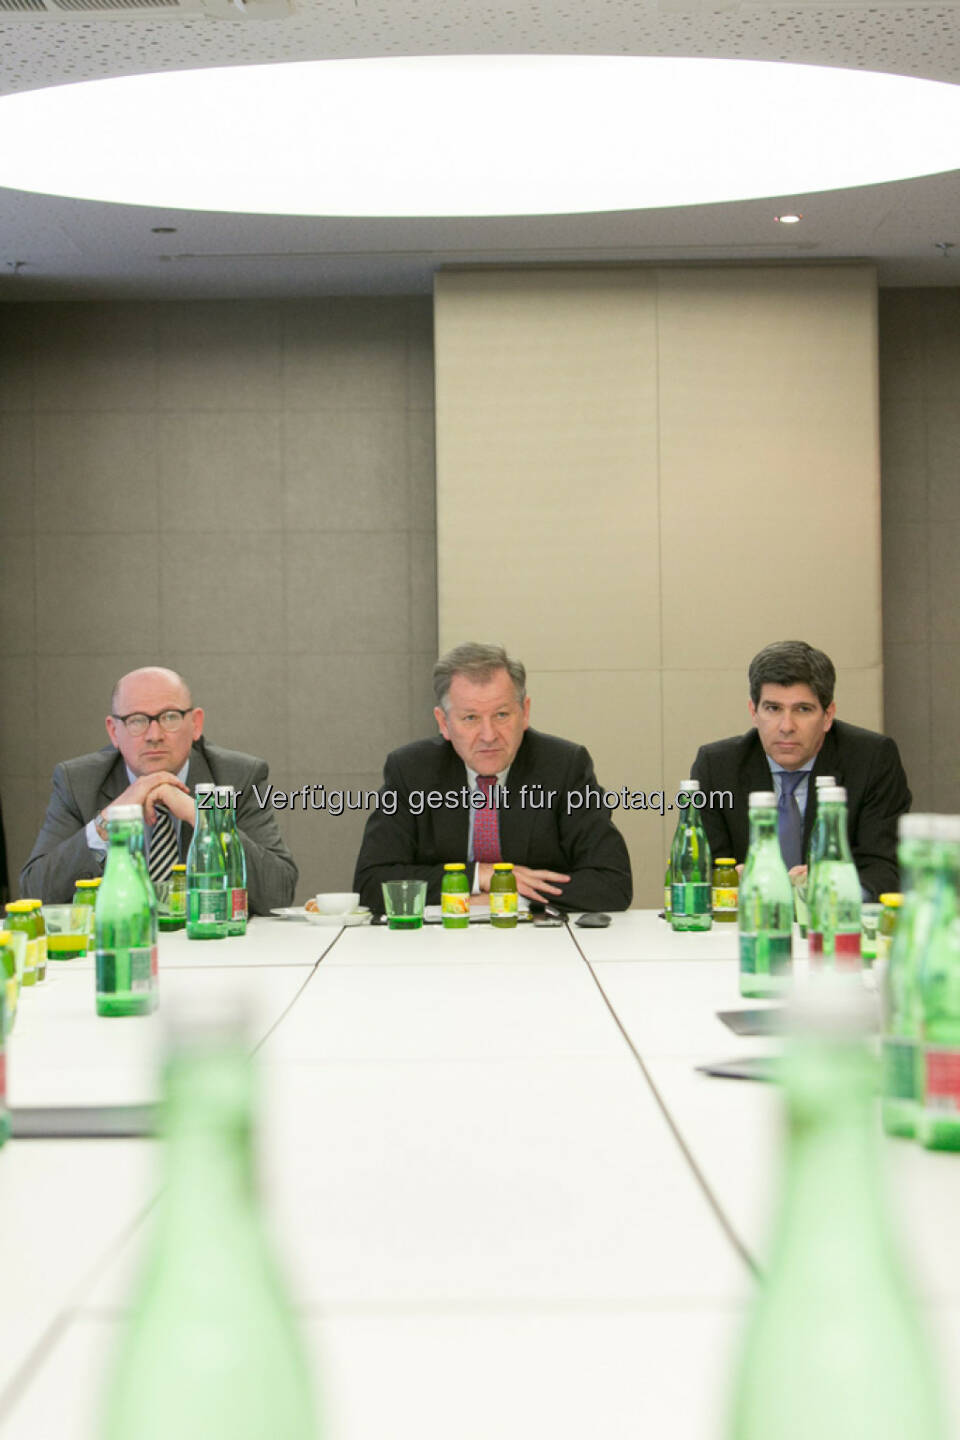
(765,954)
(455,904)
(814,943)
(899,1061)
(846,950)
(238,904)
(725,898)
(942,1079)
(691,898)
(32,957)
(502,903)
(207,907)
(667,898)
(140,959)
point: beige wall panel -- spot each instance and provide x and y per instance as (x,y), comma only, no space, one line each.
(700,706)
(546,430)
(860,696)
(769,448)
(617,716)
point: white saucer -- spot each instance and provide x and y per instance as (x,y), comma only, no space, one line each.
(349,917)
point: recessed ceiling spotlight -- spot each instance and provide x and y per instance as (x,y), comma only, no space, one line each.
(788,219)
(475,135)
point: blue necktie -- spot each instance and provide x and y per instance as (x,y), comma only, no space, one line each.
(789,819)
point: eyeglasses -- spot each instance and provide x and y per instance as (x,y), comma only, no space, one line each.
(138,723)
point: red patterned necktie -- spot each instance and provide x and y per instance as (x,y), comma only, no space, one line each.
(486,827)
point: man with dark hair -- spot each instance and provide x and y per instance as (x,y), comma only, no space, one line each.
(156,755)
(796,738)
(503,792)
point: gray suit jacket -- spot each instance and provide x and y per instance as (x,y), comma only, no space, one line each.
(83,786)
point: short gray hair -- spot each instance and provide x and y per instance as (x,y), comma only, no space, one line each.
(478,663)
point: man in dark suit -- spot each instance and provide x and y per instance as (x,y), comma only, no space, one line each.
(488,787)
(795,739)
(156,755)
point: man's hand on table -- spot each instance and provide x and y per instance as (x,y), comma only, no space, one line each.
(542,885)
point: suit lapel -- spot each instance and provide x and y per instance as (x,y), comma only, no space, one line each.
(827,762)
(113,784)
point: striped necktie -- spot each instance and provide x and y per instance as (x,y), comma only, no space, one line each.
(486,826)
(163,846)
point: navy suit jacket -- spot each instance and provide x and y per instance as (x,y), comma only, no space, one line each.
(583,844)
(866,763)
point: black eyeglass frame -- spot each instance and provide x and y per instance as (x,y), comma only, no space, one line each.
(167,710)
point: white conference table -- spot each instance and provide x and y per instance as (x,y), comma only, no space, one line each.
(506,1202)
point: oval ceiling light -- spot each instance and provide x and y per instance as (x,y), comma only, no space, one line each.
(475,135)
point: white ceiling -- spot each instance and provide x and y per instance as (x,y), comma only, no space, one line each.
(67,249)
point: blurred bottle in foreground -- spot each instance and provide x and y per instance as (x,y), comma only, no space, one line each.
(835,1348)
(901,1015)
(234,860)
(212,1350)
(938,993)
(765,905)
(833,888)
(690,867)
(124,923)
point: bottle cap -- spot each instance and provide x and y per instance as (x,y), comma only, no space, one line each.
(123,812)
(689,785)
(945,828)
(32,904)
(203,787)
(914,827)
(821,781)
(227,790)
(18,907)
(455,865)
(181,869)
(89,884)
(725,859)
(892,898)
(762,800)
(832,795)
(503,865)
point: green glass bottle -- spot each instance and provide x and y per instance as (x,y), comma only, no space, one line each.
(938,998)
(690,867)
(901,1080)
(9,978)
(206,871)
(126,973)
(4,1030)
(833,895)
(234,860)
(212,1350)
(668,891)
(138,849)
(765,905)
(835,1348)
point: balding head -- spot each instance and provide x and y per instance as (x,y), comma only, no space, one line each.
(149,674)
(153,691)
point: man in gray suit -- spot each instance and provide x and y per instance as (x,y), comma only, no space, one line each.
(156,755)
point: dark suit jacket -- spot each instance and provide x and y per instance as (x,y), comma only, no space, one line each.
(83,786)
(866,763)
(584,844)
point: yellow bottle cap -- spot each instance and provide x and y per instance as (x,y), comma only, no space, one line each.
(19,907)
(892,898)
(725,860)
(181,868)
(503,865)
(455,865)
(89,884)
